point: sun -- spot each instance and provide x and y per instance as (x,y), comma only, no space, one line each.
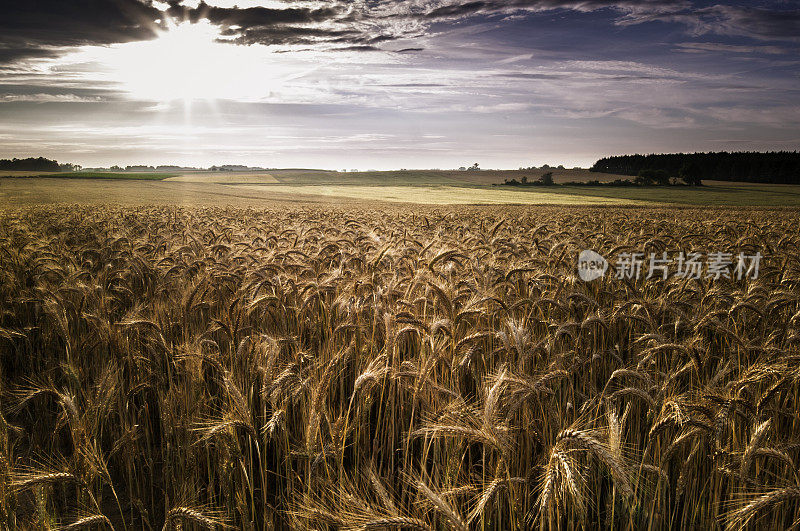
(189,62)
(186,62)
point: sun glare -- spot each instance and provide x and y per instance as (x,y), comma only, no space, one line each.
(188,62)
(191,61)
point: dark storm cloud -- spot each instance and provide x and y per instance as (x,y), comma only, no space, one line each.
(289,35)
(461,9)
(252,17)
(36,29)
(16,53)
(29,28)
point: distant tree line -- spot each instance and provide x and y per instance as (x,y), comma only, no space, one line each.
(781,167)
(545,167)
(29,164)
(545,180)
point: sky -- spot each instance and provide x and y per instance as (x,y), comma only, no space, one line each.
(388,84)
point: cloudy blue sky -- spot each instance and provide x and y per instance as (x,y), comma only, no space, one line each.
(387,83)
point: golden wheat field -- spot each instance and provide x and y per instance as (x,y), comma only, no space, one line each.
(305,367)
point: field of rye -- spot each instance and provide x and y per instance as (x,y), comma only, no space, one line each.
(306,367)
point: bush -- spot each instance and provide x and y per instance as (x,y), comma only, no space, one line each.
(652,177)
(691,173)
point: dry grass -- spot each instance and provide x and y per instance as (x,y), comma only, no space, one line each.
(437,195)
(224,178)
(300,367)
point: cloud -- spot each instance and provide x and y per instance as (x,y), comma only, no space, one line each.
(758,23)
(412,85)
(528,75)
(9,54)
(253,17)
(32,29)
(452,10)
(368,23)
(703,47)
(46,27)
(285,35)
(39,29)
(47,98)
(720,19)
(364,48)
(754,22)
